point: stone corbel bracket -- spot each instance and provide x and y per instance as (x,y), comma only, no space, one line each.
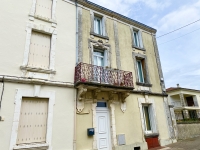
(123,97)
(80,99)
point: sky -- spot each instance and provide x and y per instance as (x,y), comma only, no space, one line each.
(179,51)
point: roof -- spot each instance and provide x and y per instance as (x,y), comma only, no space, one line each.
(180,88)
(116,15)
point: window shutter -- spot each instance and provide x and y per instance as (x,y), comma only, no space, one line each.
(44,8)
(33,121)
(153,118)
(39,50)
(105,58)
(195,101)
(140,39)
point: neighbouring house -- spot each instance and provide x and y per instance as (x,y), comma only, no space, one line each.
(37,57)
(121,97)
(185,106)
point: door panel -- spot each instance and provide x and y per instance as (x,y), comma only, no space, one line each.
(103,140)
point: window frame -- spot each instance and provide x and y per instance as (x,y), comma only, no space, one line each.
(142,72)
(39,93)
(100,51)
(152,115)
(52,20)
(149,117)
(136,57)
(100,27)
(139,39)
(46,30)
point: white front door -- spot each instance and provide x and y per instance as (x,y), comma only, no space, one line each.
(103,130)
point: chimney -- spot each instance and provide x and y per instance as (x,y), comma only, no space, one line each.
(178,86)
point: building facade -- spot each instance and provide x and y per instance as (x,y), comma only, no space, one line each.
(37,92)
(121,98)
(185,110)
(76,75)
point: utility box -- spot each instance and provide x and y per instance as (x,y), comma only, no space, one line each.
(121,139)
(90,131)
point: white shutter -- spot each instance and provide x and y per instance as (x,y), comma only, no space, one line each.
(105,58)
(152,118)
(33,121)
(39,50)
(44,8)
(195,101)
(140,39)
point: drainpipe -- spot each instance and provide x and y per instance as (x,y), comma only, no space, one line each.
(2,92)
(76,32)
(74,141)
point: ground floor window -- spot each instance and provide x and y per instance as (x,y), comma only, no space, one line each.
(147,120)
(33,121)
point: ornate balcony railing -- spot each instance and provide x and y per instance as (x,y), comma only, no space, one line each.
(85,73)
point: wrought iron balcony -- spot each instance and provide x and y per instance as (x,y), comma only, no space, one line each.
(97,75)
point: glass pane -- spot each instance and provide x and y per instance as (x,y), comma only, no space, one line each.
(101,104)
(147,119)
(99,26)
(98,53)
(136,39)
(140,71)
(95,60)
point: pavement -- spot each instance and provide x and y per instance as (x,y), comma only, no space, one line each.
(189,144)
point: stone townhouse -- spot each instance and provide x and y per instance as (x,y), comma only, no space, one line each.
(121,97)
(76,75)
(37,57)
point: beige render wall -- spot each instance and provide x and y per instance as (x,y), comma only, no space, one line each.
(125,46)
(84,121)
(14,18)
(63,115)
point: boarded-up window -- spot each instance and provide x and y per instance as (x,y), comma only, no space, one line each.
(39,50)
(43,8)
(33,121)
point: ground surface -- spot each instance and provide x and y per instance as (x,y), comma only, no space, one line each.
(189,144)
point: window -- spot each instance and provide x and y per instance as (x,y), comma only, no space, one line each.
(39,50)
(44,8)
(147,120)
(98,28)
(140,71)
(136,38)
(98,58)
(101,104)
(33,121)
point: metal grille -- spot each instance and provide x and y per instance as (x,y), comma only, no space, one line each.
(97,74)
(191,115)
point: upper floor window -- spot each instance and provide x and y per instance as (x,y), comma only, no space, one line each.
(140,71)
(39,50)
(44,8)
(137,38)
(98,28)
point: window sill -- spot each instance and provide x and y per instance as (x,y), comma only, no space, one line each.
(40,70)
(32,146)
(144,84)
(43,18)
(151,135)
(98,35)
(138,48)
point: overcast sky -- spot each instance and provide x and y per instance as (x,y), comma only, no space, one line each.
(180,57)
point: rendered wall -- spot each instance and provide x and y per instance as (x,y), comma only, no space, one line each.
(14,18)
(63,115)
